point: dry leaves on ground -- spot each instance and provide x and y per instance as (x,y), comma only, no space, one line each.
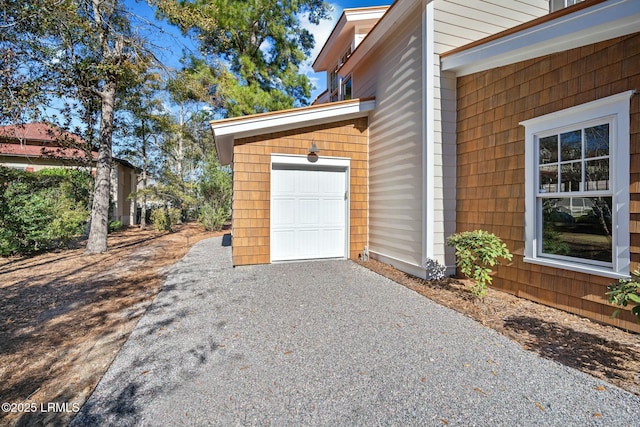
(64,316)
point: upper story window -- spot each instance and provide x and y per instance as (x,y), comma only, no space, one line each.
(336,83)
(347,88)
(577,181)
(561,4)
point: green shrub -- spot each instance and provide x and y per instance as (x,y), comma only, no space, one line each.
(114,226)
(213,219)
(476,251)
(624,291)
(161,219)
(175,215)
(41,210)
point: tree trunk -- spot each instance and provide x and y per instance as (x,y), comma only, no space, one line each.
(143,210)
(97,242)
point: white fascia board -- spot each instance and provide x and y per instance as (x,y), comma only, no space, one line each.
(395,14)
(226,131)
(347,22)
(319,63)
(601,22)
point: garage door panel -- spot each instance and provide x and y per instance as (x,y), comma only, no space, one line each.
(307,210)
(306,183)
(333,211)
(284,183)
(285,241)
(331,183)
(283,211)
(309,214)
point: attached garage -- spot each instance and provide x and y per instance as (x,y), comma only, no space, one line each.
(309,211)
(289,202)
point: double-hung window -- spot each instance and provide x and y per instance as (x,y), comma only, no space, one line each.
(577,188)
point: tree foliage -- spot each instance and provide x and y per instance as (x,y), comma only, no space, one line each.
(82,53)
(41,210)
(255,49)
(624,292)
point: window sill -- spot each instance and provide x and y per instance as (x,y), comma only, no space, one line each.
(581,268)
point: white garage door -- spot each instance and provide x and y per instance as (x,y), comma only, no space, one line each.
(308,213)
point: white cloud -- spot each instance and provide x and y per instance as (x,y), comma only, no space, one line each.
(320,33)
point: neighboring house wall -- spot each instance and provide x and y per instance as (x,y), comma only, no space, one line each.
(123,184)
(491,160)
(252,178)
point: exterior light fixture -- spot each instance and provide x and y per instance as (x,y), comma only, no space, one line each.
(312,157)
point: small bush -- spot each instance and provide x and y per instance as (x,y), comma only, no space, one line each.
(435,270)
(161,219)
(211,218)
(175,215)
(624,291)
(114,226)
(476,251)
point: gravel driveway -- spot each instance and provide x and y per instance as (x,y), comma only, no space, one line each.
(329,343)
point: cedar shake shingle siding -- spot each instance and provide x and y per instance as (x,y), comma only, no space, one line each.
(252,183)
(491,156)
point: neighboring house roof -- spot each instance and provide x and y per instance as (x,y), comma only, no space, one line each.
(46,141)
(227,130)
(588,22)
(24,150)
(37,132)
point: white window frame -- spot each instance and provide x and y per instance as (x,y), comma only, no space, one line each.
(555,5)
(614,110)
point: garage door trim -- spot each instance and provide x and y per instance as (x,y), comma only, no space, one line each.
(293,162)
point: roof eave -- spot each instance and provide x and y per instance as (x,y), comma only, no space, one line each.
(226,131)
(602,21)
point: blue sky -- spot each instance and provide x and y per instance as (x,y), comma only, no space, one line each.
(171,44)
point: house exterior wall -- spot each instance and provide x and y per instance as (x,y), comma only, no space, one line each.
(394,76)
(455,23)
(491,161)
(412,131)
(458,22)
(252,178)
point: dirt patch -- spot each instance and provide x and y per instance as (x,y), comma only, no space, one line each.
(603,351)
(65,315)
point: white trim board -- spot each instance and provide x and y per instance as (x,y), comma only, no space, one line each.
(226,131)
(594,24)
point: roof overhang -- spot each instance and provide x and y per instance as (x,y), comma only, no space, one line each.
(394,16)
(226,131)
(342,34)
(598,22)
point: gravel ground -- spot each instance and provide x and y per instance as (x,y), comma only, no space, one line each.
(329,343)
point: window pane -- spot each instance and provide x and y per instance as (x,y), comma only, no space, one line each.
(571,176)
(578,227)
(597,175)
(549,179)
(571,145)
(346,89)
(549,149)
(597,141)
